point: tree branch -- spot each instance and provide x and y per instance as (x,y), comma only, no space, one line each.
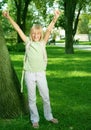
(76,21)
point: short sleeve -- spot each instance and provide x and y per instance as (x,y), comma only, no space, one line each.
(43,43)
(27,41)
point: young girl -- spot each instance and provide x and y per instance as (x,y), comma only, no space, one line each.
(35,66)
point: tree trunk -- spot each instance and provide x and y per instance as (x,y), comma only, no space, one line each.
(21,14)
(69,12)
(12,102)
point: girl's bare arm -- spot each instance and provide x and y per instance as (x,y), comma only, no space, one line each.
(15,25)
(51,25)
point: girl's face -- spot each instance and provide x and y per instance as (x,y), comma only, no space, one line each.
(36,35)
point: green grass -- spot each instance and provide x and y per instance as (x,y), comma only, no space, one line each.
(84,42)
(79,42)
(69,80)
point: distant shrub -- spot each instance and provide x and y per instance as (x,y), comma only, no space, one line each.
(16,47)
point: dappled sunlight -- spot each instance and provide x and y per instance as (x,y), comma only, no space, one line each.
(16,56)
(68,74)
(79,73)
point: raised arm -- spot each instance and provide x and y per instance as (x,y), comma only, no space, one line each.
(15,25)
(51,25)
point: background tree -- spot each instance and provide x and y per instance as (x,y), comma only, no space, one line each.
(69,20)
(19,9)
(72,10)
(12,102)
(69,12)
(21,14)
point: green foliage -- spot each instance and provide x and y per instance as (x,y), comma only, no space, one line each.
(16,47)
(61,21)
(83,24)
(41,6)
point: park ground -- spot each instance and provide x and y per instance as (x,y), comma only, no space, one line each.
(69,80)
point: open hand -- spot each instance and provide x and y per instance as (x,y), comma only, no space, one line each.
(5,14)
(57,13)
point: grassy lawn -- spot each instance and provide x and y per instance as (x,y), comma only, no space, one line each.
(69,80)
(78,43)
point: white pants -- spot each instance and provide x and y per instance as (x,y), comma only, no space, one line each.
(32,79)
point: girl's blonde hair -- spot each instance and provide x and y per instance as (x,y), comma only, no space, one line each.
(36,27)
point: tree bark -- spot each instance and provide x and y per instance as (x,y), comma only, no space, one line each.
(69,12)
(21,14)
(12,102)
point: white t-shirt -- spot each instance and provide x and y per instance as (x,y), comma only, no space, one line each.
(36,57)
